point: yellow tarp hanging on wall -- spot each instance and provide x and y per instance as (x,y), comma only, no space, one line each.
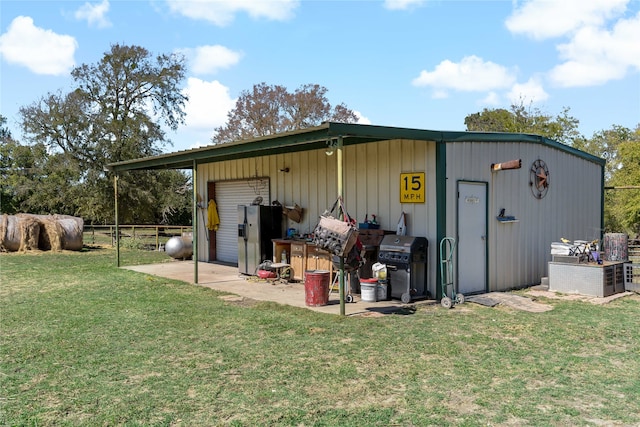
(213,220)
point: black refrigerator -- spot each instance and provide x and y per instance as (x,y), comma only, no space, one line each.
(257,225)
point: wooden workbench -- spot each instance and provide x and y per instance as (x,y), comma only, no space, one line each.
(302,255)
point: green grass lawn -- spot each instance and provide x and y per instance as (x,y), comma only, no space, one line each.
(85,343)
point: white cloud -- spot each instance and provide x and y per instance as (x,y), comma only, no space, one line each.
(41,51)
(362,120)
(492,98)
(209,103)
(199,143)
(207,108)
(210,59)
(542,19)
(440,94)
(601,43)
(402,4)
(94,14)
(595,56)
(532,91)
(222,12)
(472,74)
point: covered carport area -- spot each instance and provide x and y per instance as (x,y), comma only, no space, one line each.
(328,136)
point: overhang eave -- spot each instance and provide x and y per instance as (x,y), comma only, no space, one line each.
(318,138)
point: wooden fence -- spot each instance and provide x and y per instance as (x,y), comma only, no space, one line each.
(634,251)
(632,271)
(152,237)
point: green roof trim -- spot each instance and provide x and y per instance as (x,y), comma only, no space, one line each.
(316,138)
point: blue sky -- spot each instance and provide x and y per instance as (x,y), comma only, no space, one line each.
(411,63)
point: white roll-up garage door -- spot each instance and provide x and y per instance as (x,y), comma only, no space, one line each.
(230,194)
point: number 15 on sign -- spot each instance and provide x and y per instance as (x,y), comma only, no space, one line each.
(412,188)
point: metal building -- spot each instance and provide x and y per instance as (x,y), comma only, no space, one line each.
(448,184)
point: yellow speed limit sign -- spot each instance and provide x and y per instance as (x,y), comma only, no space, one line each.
(412,187)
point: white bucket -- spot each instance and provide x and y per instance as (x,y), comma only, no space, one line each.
(368,291)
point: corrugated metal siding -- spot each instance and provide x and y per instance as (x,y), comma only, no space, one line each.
(372,185)
(518,252)
(372,175)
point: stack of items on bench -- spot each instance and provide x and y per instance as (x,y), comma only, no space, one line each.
(581,268)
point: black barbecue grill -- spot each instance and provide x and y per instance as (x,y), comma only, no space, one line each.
(406,261)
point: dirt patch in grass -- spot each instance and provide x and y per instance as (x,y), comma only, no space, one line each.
(578,297)
(239,301)
(517,302)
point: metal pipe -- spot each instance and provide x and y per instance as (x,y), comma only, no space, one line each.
(116,219)
(340,195)
(511,164)
(194,228)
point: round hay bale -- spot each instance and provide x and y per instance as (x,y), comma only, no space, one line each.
(51,233)
(10,233)
(55,232)
(58,232)
(19,233)
(30,233)
(72,228)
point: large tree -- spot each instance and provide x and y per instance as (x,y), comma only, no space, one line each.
(271,109)
(116,113)
(526,119)
(36,181)
(620,146)
(627,179)
(605,144)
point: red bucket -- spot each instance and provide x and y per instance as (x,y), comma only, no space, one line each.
(316,287)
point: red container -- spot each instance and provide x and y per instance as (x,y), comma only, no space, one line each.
(316,287)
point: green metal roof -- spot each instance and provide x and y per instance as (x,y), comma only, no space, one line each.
(316,138)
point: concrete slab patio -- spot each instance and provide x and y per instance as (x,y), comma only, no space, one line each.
(228,279)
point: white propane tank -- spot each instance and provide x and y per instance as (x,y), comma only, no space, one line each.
(179,247)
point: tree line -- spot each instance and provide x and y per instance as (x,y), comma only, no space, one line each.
(117,108)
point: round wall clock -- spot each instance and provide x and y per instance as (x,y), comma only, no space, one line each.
(539,179)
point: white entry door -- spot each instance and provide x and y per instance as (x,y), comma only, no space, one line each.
(472,237)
